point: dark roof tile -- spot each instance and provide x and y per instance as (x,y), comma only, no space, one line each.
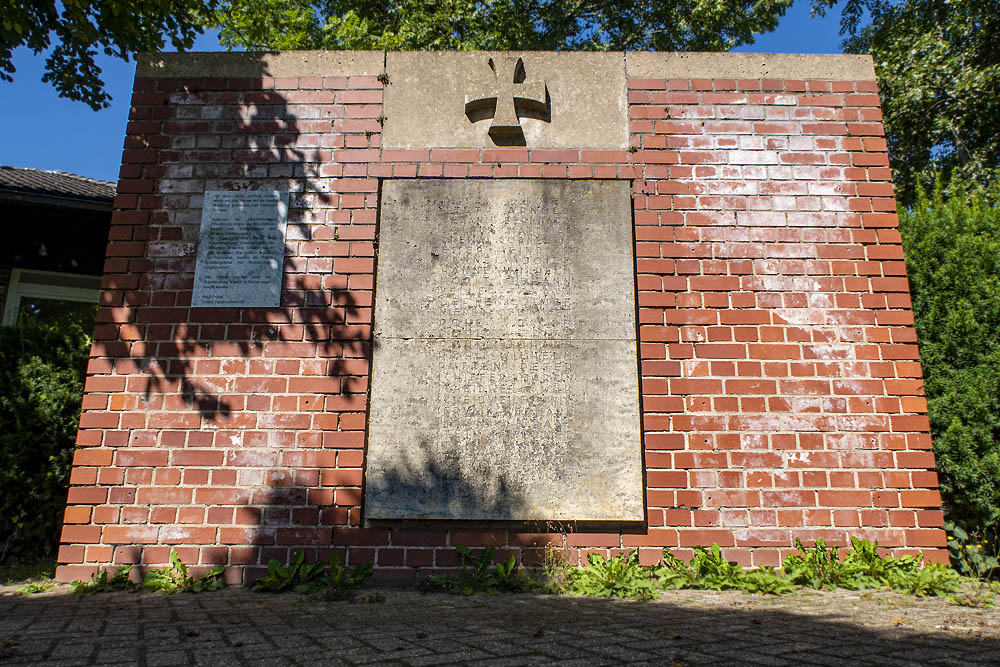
(55,184)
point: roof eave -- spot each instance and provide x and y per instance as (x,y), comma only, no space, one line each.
(61,201)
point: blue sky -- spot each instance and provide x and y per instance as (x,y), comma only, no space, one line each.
(43,131)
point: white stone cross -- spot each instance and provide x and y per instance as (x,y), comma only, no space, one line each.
(509,94)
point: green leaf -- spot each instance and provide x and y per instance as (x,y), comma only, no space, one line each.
(953,263)
(937,77)
(42,367)
(73,33)
(701,25)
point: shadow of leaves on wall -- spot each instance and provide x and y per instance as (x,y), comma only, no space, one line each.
(251,140)
(429,489)
(218,381)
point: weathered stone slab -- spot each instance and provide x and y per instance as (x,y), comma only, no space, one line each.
(511,259)
(688,64)
(505,377)
(241,249)
(579,99)
(256,64)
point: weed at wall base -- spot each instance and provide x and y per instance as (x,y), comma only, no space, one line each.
(708,570)
(172,578)
(331,578)
(819,567)
(102,583)
(619,577)
(477,577)
(622,576)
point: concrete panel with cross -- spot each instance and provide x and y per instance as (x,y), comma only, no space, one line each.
(519,98)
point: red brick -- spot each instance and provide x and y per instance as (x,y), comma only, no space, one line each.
(720,351)
(838,498)
(130,534)
(361,536)
(87,495)
(666,478)
(188,535)
(222,496)
(81,534)
(195,457)
(562,155)
(697,538)
(920,498)
(932,537)
(142,457)
(593,539)
(412,537)
(76,515)
(479,538)
(68,573)
(455,155)
(245,536)
(312,459)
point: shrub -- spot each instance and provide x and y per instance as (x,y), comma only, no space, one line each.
(953,261)
(41,387)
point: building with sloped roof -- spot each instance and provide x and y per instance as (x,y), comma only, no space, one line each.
(52,258)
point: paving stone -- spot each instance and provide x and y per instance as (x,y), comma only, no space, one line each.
(240,628)
(165,658)
(510,661)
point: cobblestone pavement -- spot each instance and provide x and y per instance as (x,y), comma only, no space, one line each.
(688,628)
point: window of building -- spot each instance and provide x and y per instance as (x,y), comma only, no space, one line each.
(52,298)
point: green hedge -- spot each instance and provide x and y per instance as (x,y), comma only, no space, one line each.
(42,369)
(953,260)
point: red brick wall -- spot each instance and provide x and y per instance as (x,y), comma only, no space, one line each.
(782,393)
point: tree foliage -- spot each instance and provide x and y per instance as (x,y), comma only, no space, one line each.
(80,29)
(953,260)
(938,68)
(710,25)
(41,387)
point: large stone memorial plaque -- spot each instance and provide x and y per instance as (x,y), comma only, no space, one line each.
(505,378)
(241,249)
